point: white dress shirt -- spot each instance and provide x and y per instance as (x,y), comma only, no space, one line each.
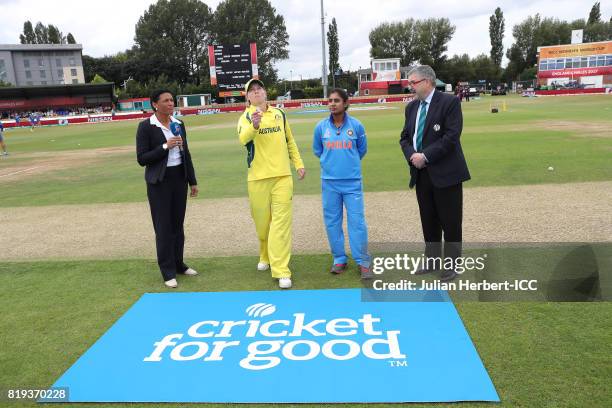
(174,154)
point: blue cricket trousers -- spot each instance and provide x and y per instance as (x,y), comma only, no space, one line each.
(347,193)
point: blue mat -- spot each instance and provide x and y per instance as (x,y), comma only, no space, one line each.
(283,346)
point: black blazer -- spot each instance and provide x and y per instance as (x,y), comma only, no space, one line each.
(445,161)
(151,154)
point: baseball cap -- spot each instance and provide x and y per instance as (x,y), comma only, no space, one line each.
(253,81)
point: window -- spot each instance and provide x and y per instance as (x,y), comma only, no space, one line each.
(584,62)
(390,66)
(576,62)
(601,60)
(366,92)
(28,75)
(60,73)
(568,63)
(26,63)
(73,72)
(41,62)
(560,63)
(592,61)
(58,62)
(43,82)
(72,63)
(2,71)
(43,73)
(544,65)
(609,59)
(75,81)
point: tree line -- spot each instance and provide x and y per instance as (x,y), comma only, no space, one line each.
(171,38)
(425,42)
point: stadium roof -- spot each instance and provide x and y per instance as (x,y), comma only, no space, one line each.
(56,90)
(40,47)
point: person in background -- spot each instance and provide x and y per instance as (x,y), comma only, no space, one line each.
(4,151)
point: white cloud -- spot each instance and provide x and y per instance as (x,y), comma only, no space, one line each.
(108,27)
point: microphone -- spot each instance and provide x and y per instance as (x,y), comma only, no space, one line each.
(176,130)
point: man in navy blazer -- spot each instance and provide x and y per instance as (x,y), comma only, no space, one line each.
(161,146)
(430,142)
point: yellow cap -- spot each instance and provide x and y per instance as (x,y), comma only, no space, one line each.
(253,81)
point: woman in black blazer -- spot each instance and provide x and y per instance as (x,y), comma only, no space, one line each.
(161,147)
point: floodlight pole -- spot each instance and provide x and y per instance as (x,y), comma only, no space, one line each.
(324,76)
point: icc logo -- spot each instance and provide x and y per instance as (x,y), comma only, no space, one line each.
(260,310)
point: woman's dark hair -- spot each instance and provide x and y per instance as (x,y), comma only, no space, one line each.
(342,93)
(156,94)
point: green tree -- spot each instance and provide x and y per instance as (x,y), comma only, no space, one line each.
(54,35)
(496,34)
(97,79)
(595,14)
(70,39)
(171,38)
(459,68)
(28,36)
(523,52)
(41,32)
(485,68)
(395,40)
(598,32)
(245,21)
(433,37)
(334,47)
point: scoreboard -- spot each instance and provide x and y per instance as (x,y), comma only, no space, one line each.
(231,67)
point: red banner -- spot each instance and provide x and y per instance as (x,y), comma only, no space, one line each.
(571,91)
(575,72)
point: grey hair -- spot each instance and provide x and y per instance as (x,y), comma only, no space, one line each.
(426,72)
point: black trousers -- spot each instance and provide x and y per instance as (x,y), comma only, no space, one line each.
(168,201)
(441,211)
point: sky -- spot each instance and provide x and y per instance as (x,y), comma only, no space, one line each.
(105,28)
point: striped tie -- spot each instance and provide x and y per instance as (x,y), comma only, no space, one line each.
(421,127)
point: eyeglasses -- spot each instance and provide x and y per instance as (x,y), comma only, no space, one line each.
(413,83)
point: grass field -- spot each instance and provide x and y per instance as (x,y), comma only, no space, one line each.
(510,148)
(537,354)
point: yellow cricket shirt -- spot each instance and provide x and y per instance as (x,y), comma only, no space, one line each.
(269,148)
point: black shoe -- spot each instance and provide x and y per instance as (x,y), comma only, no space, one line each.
(338,268)
(366,272)
(423,271)
(448,276)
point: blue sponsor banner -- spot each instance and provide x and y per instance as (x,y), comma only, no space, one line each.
(282,346)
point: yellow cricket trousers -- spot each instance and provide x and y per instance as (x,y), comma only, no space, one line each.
(270,200)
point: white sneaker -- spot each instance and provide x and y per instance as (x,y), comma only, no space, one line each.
(190,272)
(262,266)
(284,283)
(171,283)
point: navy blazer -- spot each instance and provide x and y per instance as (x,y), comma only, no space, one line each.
(151,154)
(446,164)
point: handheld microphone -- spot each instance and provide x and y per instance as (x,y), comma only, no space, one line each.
(176,130)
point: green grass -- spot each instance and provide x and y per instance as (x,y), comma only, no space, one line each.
(510,148)
(538,354)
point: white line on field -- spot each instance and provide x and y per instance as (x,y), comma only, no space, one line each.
(20,171)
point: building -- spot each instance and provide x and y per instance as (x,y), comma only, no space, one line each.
(55,97)
(41,64)
(587,65)
(386,77)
